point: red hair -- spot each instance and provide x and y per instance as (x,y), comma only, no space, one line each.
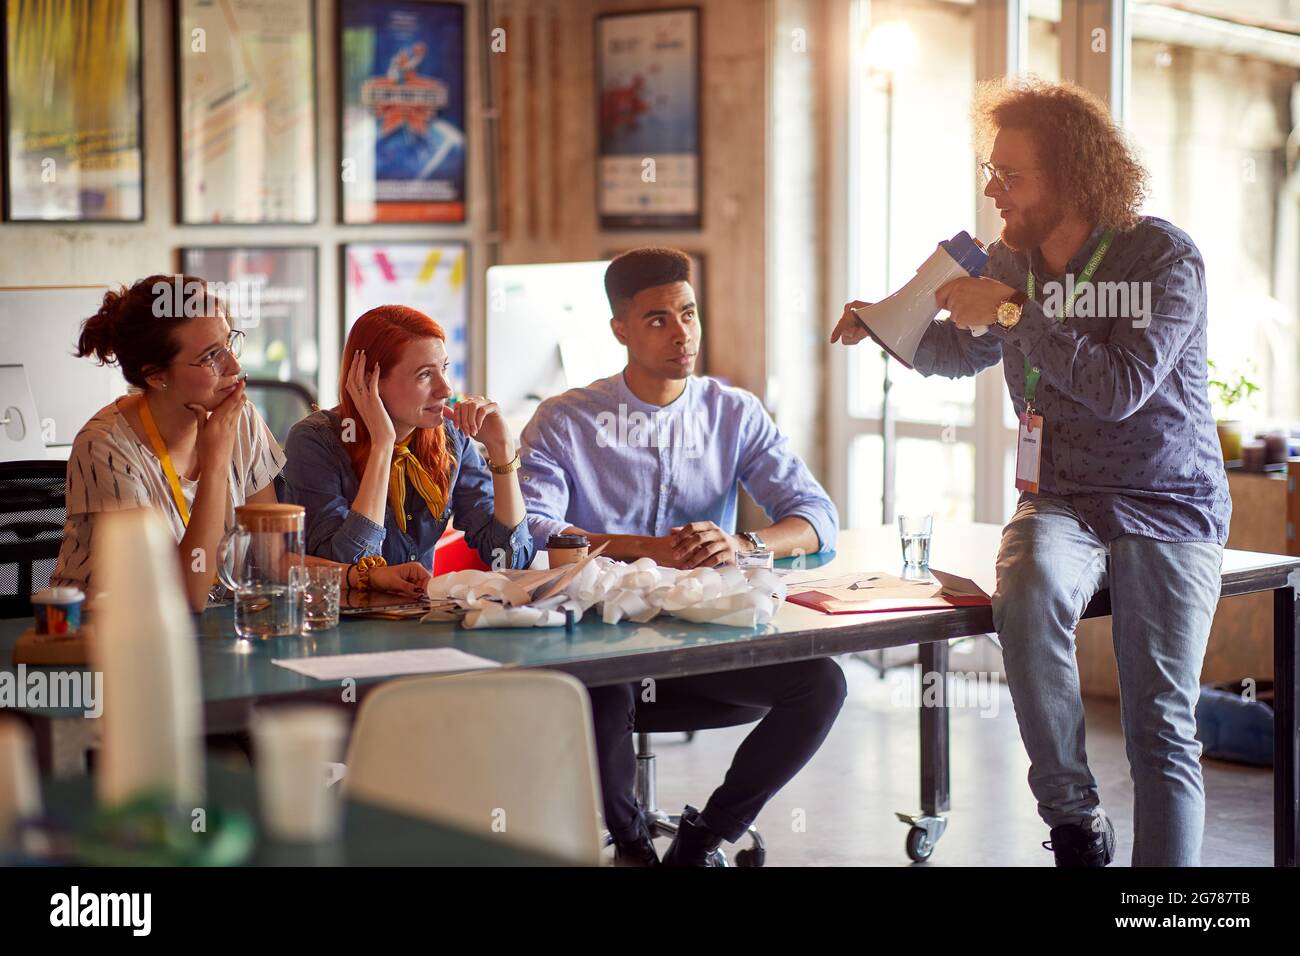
(383,333)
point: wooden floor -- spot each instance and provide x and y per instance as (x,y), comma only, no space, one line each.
(846,797)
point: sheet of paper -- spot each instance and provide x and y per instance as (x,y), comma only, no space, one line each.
(873,585)
(432,660)
(956,585)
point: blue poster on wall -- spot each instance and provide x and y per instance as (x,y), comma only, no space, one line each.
(403,106)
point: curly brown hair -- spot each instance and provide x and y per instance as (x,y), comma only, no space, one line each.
(1086,157)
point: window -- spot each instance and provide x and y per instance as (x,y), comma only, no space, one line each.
(1214,108)
(1211,99)
(912,183)
(1043,43)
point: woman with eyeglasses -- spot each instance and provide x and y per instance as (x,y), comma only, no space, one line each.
(186,443)
(383,474)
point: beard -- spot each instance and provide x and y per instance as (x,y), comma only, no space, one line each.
(1037,223)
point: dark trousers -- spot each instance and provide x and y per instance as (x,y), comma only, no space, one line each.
(795,705)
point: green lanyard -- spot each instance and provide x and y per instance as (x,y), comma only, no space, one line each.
(1032,374)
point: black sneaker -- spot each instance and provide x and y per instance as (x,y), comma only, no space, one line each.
(637,852)
(695,844)
(1078,844)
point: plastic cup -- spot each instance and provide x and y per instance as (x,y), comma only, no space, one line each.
(300,800)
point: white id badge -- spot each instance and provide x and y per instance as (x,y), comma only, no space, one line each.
(1029,452)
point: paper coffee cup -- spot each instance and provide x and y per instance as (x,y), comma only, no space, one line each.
(293,748)
(564,549)
(57,610)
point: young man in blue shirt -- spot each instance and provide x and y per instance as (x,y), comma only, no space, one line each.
(647,462)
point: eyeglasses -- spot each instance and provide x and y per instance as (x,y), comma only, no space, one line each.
(215,360)
(1006,178)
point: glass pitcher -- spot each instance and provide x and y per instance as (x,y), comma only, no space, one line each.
(255,559)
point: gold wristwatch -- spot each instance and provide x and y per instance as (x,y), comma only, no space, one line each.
(1010,309)
(365,566)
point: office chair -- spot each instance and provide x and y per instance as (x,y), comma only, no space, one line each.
(32,510)
(281,404)
(662,823)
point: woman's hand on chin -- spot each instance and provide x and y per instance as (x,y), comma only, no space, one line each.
(481,418)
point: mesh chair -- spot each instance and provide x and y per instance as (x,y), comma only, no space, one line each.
(32,509)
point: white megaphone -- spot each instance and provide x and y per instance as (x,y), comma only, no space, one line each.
(898,322)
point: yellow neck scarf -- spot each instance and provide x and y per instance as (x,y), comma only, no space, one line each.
(406,465)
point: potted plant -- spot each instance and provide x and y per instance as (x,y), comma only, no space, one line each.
(1227,393)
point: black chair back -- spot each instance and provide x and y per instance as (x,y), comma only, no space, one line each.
(281,404)
(32,509)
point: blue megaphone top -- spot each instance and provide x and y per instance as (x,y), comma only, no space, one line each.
(966,253)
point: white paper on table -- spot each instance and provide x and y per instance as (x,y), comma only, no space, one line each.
(430,660)
(871,584)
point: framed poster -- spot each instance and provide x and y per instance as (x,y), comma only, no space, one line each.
(648,75)
(402,103)
(428,276)
(246,97)
(271,294)
(74,144)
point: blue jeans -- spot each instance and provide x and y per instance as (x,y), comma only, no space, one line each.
(1163,597)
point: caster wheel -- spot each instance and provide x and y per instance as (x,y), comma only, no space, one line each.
(919,846)
(756,856)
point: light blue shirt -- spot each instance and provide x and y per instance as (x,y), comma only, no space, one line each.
(600,459)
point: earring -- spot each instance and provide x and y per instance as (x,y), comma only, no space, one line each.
(164,384)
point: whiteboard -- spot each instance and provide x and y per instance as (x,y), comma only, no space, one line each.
(547,331)
(39,326)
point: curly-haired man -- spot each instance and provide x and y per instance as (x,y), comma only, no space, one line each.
(1099,316)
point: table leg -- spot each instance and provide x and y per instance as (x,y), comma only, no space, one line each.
(1286,725)
(934,730)
(928,825)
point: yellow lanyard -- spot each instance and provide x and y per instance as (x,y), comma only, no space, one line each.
(160,449)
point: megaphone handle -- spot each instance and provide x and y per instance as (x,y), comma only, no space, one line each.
(977,330)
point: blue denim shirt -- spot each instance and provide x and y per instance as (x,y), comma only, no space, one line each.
(319,476)
(1128,436)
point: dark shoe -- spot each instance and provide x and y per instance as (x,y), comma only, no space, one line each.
(1078,844)
(695,844)
(638,852)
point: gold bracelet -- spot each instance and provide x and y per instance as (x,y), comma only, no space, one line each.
(512,465)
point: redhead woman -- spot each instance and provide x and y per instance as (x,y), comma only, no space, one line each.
(186,443)
(384,473)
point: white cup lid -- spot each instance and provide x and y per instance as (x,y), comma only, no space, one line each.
(58,596)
